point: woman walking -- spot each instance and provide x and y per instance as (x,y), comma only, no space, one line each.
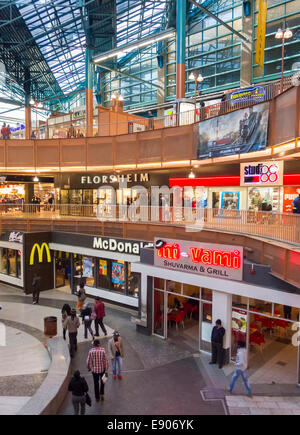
(79,388)
(86,315)
(81,297)
(72,324)
(65,312)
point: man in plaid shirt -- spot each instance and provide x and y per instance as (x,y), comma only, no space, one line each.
(97,363)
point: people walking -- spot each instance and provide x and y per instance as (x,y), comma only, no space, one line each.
(116,353)
(217,335)
(241,367)
(65,312)
(81,297)
(100,314)
(4,131)
(97,363)
(86,315)
(72,324)
(79,387)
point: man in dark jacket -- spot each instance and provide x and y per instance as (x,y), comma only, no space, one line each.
(217,335)
(296,205)
(100,314)
(79,388)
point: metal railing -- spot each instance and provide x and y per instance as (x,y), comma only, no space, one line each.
(283,227)
(265,93)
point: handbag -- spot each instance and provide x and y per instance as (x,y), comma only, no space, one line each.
(93,316)
(104,378)
(88,399)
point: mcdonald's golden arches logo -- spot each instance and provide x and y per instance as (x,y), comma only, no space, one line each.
(40,250)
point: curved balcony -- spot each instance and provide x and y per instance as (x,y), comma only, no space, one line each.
(268,238)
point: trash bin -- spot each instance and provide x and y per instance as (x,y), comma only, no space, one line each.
(50,326)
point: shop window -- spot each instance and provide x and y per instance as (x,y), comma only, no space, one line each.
(260,306)
(238,329)
(263,199)
(191,290)
(133,282)
(19,269)
(239,301)
(206,325)
(173,287)
(159,283)
(11,262)
(3,262)
(206,294)
(158,311)
(286,312)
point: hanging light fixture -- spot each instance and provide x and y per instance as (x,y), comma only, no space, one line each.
(191,174)
(36,180)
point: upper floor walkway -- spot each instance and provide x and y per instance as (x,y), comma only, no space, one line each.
(172,142)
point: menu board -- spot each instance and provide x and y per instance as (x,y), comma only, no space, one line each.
(239,321)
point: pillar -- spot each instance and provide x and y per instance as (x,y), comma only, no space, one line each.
(180,48)
(27,120)
(89,72)
(246,47)
(27,86)
(222,309)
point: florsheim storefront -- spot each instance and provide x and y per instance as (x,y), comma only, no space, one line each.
(186,286)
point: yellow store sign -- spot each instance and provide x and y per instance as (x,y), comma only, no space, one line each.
(40,251)
(261,33)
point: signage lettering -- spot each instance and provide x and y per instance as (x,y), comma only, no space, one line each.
(201,258)
(40,250)
(267,173)
(15,237)
(122,246)
(110,179)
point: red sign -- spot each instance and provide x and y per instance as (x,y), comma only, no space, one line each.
(290,193)
(224,261)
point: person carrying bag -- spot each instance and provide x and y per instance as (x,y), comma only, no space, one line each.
(79,388)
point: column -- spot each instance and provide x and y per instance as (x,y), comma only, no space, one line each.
(180,48)
(222,309)
(246,55)
(27,104)
(89,72)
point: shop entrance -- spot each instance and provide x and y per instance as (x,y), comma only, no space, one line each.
(182,313)
(62,270)
(266,328)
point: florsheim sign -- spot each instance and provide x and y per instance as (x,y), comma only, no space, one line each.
(219,261)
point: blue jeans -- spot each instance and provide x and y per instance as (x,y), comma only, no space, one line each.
(236,374)
(114,362)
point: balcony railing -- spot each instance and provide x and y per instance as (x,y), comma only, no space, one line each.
(283,227)
(123,124)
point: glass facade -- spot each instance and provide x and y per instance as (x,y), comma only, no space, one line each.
(107,274)
(212,49)
(10,262)
(280,14)
(142,64)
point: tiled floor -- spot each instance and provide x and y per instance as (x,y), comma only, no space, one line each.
(263,405)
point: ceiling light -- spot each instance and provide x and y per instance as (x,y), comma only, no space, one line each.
(32,102)
(36,180)
(191,174)
(288,34)
(279,34)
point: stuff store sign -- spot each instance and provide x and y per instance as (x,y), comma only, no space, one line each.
(262,173)
(218,261)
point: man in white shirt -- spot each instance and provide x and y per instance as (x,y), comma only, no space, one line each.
(241,367)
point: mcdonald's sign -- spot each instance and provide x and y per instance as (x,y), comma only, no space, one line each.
(40,250)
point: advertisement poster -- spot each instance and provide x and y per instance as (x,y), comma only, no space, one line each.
(87,267)
(239,321)
(290,193)
(238,132)
(230,200)
(117,273)
(103,267)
